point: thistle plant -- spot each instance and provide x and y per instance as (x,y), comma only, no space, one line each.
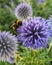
(23,11)
(50,22)
(35,33)
(8,47)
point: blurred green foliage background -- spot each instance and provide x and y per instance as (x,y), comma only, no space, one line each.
(7,18)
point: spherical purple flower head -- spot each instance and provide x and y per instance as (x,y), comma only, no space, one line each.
(23,11)
(34,33)
(8,46)
(50,22)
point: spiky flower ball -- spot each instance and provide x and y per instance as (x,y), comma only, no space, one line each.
(50,22)
(8,46)
(23,11)
(34,33)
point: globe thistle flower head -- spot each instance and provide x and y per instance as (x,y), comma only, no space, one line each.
(23,11)
(35,34)
(50,22)
(8,46)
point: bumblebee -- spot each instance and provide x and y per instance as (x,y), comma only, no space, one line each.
(16,24)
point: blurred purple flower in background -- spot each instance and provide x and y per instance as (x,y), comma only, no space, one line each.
(22,11)
(8,46)
(40,2)
(34,33)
